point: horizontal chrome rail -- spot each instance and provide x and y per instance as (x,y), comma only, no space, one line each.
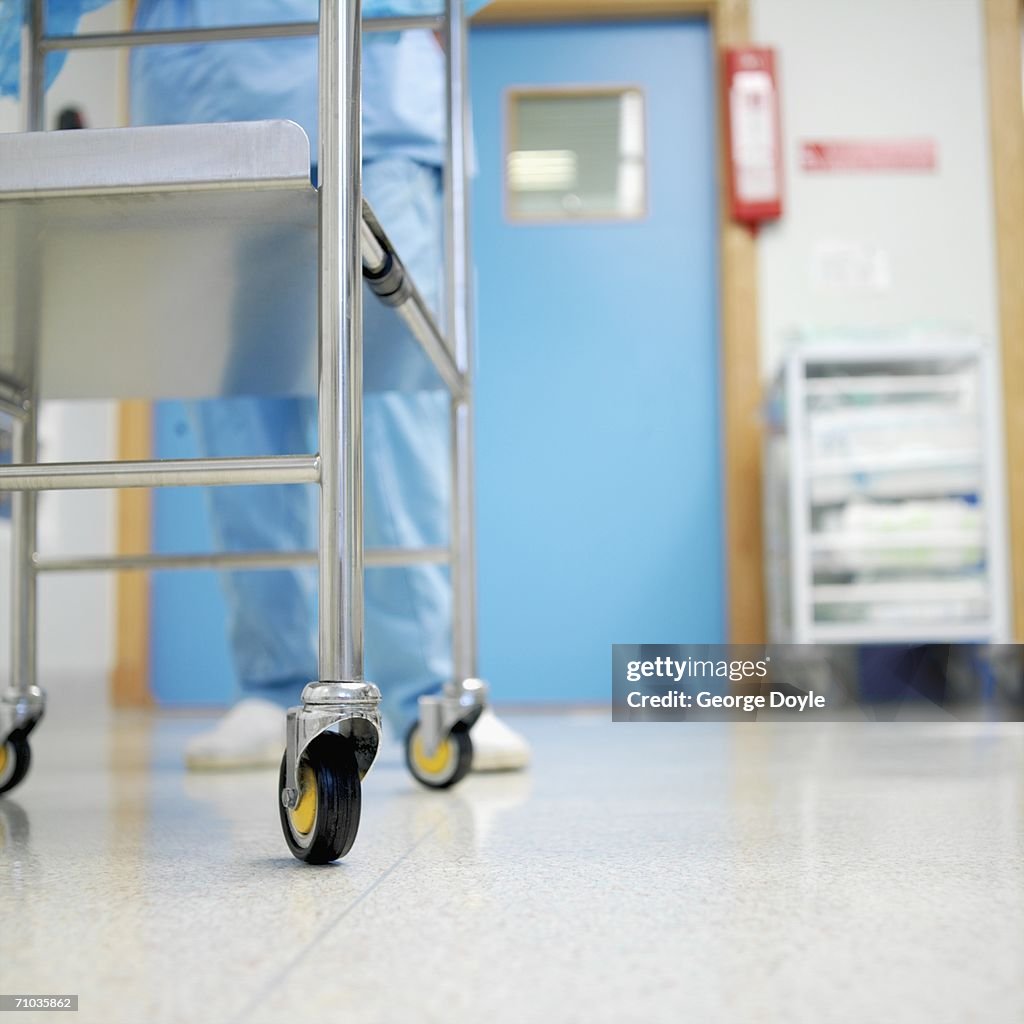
(380,255)
(382,558)
(223,33)
(12,407)
(424,329)
(68,476)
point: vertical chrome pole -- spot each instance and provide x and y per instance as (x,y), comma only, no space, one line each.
(340,386)
(24,429)
(23,574)
(459,319)
(35,65)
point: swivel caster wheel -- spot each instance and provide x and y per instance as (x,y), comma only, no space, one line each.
(322,826)
(447,765)
(15,757)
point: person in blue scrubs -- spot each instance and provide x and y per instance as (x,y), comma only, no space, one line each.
(273,613)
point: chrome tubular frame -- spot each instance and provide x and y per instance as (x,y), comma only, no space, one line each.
(351,246)
(282,30)
(464,696)
(77,476)
(23,704)
(380,558)
(341,700)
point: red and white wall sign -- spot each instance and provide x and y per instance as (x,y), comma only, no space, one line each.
(868,155)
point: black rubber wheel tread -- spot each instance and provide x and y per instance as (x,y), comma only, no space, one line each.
(18,748)
(460,737)
(339,800)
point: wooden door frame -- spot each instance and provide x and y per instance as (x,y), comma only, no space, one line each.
(740,347)
(1006,129)
(129,677)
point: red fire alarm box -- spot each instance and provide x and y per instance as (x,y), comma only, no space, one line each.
(754,139)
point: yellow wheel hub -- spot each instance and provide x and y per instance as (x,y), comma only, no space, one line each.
(303,815)
(3,758)
(431,765)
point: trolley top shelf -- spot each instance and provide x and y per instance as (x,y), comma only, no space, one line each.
(177,262)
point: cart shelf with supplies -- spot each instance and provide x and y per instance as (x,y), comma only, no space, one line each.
(885,494)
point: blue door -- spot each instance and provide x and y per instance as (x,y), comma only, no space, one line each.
(597,404)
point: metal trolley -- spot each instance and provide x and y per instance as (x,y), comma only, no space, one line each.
(162,262)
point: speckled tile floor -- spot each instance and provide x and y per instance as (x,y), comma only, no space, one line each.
(785,872)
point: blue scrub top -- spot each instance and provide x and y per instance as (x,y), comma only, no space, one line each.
(403,73)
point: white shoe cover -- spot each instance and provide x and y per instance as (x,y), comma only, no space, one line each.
(250,735)
(496,747)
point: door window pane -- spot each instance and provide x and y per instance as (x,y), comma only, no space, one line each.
(575,154)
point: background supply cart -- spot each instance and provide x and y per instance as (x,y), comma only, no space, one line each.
(123,274)
(885,494)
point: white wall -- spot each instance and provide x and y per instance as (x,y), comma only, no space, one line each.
(875,69)
(76,612)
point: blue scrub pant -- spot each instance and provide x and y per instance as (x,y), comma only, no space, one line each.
(273,620)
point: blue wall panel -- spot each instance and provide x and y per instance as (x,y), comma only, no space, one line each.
(190,660)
